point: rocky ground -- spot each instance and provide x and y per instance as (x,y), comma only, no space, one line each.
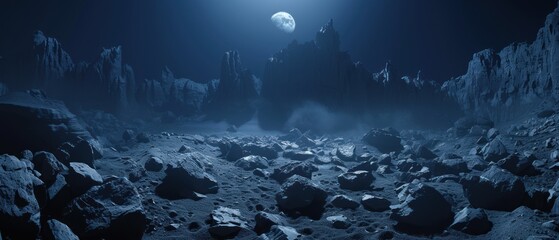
(475,180)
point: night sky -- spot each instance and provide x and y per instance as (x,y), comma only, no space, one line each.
(190,36)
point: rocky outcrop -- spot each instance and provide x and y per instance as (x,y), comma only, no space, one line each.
(319,72)
(107,83)
(38,123)
(237,90)
(502,84)
(181,96)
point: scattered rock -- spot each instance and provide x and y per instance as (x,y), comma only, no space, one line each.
(423,209)
(262,150)
(300,195)
(298,155)
(495,189)
(81,177)
(186,179)
(265,221)
(281,232)
(346,152)
(127,135)
(252,162)
(142,137)
(153,164)
(384,141)
(494,151)
(185,149)
(284,172)
(375,204)
(47,164)
(112,210)
(472,221)
(292,136)
(226,222)
(492,133)
(356,181)
(424,152)
(339,221)
(344,202)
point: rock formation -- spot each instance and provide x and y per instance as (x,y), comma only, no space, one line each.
(319,72)
(506,83)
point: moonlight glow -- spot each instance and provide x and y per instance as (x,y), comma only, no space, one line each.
(284,21)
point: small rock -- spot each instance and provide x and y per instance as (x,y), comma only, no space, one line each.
(384,141)
(172,227)
(142,137)
(298,155)
(252,162)
(375,204)
(303,169)
(472,221)
(226,222)
(265,221)
(344,202)
(356,181)
(339,221)
(346,152)
(185,149)
(153,164)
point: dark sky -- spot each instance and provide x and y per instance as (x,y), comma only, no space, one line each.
(190,36)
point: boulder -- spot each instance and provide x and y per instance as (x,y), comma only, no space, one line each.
(113,210)
(423,152)
(262,150)
(356,181)
(383,140)
(153,164)
(344,202)
(300,195)
(494,151)
(226,223)
(18,204)
(495,189)
(339,222)
(265,221)
(298,155)
(252,162)
(374,203)
(281,232)
(346,152)
(81,177)
(472,221)
(293,135)
(422,210)
(55,230)
(48,166)
(284,172)
(186,179)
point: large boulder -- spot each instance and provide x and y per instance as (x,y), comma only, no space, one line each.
(300,195)
(186,179)
(112,211)
(494,151)
(252,162)
(39,124)
(81,177)
(19,209)
(495,189)
(265,221)
(422,209)
(384,141)
(48,166)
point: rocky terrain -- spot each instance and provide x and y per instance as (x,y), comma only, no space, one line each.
(196,163)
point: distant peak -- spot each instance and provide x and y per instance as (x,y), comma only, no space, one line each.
(328,37)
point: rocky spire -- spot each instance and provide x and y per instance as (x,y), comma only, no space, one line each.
(328,38)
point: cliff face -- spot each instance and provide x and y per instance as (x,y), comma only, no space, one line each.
(319,72)
(503,84)
(106,84)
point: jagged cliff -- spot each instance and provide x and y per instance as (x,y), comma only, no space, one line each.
(509,82)
(318,71)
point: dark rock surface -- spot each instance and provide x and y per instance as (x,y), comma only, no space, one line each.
(506,83)
(112,210)
(18,205)
(472,221)
(47,124)
(356,181)
(185,179)
(299,194)
(56,230)
(495,189)
(226,222)
(384,141)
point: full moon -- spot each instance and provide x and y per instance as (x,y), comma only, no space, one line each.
(284,21)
